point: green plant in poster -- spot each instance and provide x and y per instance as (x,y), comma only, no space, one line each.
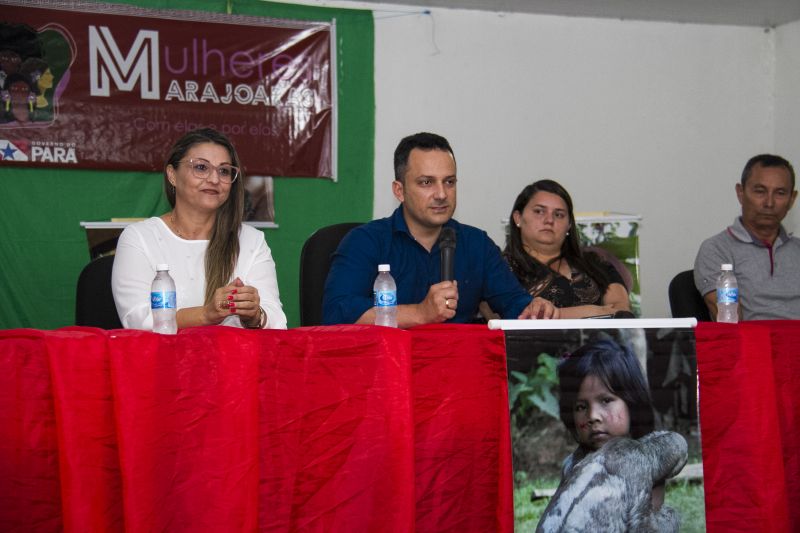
(535,389)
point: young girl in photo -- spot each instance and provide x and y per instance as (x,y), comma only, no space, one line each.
(614,480)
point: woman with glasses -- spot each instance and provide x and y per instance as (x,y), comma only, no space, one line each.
(223,269)
(544,253)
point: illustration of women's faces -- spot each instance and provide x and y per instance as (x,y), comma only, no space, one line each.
(44,82)
(21,101)
(9,61)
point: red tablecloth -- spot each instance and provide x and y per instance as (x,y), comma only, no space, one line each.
(750,425)
(218,429)
(348,429)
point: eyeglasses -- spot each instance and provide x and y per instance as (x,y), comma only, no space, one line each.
(202,168)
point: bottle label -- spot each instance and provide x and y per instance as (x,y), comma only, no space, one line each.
(728,295)
(162,300)
(385,298)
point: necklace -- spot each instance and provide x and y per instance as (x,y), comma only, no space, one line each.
(175,225)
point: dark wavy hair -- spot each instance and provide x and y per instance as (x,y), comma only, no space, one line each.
(616,366)
(223,244)
(587,262)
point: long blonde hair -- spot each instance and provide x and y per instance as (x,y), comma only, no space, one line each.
(223,245)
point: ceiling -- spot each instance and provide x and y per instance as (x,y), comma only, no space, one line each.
(762,13)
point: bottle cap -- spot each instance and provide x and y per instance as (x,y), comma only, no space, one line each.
(383,268)
(727,267)
(161,267)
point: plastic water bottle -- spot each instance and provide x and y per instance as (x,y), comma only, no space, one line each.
(385,298)
(162,301)
(727,296)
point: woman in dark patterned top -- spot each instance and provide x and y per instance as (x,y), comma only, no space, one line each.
(543,252)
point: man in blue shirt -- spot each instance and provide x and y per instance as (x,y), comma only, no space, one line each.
(425,185)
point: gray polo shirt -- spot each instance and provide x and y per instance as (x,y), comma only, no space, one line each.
(769,279)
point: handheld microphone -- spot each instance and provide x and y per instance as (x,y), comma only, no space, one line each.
(447,249)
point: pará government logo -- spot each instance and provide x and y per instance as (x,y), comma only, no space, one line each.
(20,151)
(9,151)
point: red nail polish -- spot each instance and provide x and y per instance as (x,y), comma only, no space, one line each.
(230,297)
(233,291)
(233,310)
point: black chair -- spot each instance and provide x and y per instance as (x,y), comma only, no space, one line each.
(685,301)
(315,261)
(94,302)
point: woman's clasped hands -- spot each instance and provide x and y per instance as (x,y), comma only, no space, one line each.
(236,298)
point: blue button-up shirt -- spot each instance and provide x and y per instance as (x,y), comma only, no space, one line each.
(480,270)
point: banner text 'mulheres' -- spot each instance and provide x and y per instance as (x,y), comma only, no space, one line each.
(198,59)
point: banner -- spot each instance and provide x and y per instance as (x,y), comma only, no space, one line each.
(540,441)
(112,87)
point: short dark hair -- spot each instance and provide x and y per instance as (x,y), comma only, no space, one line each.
(423,141)
(616,366)
(768,161)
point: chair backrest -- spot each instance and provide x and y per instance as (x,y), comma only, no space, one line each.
(315,261)
(94,302)
(613,260)
(685,301)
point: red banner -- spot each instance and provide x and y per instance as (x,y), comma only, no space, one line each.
(112,87)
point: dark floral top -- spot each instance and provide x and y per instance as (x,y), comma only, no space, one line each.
(563,292)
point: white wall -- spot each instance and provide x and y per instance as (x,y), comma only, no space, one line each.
(655,119)
(787,98)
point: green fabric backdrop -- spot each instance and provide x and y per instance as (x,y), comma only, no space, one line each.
(43,248)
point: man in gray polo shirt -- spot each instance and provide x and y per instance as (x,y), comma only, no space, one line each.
(766,260)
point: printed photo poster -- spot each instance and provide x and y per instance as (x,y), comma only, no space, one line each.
(101,86)
(540,440)
(615,237)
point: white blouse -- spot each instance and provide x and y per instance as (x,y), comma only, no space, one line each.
(145,244)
